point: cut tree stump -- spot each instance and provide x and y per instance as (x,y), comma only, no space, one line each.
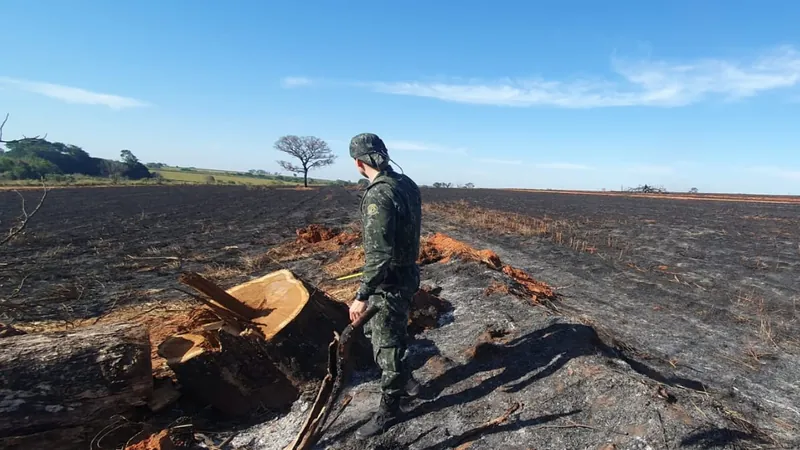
(287,328)
(299,321)
(233,373)
(71,383)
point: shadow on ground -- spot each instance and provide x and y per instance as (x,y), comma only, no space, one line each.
(719,438)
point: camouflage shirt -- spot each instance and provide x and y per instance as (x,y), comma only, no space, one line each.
(391,211)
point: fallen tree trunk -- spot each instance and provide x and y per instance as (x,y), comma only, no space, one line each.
(72,380)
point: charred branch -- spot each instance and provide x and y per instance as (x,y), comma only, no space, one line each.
(1,128)
(26,216)
(2,125)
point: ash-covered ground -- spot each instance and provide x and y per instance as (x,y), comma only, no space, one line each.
(621,361)
(676,324)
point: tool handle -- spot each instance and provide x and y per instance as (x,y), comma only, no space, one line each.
(371,310)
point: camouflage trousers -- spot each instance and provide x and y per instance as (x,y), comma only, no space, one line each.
(388,331)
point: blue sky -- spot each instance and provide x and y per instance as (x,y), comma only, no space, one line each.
(538,94)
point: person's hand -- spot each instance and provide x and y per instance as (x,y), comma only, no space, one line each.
(357,309)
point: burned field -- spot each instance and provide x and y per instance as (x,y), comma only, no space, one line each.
(548,320)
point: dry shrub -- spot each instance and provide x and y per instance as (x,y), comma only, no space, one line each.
(532,288)
(495,221)
(442,248)
(496,287)
(340,291)
(254,263)
(349,263)
(218,272)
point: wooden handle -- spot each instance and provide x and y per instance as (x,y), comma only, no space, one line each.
(371,310)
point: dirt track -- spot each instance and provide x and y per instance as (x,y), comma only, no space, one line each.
(660,299)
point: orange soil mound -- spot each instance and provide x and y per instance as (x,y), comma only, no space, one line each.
(442,248)
(159,441)
(314,233)
(314,239)
(425,311)
(488,342)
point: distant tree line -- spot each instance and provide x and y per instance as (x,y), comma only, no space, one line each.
(37,158)
(33,158)
(442,185)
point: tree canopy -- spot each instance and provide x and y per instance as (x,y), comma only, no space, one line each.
(36,158)
(312,152)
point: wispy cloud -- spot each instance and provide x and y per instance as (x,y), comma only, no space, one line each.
(292,82)
(415,146)
(71,94)
(562,166)
(636,83)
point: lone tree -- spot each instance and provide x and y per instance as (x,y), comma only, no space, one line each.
(312,152)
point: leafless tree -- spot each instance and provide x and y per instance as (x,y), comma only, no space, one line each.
(23,136)
(26,216)
(1,128)
(311,151)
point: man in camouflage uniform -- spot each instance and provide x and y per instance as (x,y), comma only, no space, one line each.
(391,213)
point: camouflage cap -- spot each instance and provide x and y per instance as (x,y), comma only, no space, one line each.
(367,144)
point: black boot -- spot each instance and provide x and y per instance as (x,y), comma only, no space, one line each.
(387,415)
(412,387)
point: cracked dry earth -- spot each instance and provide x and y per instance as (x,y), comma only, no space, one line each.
(622,360)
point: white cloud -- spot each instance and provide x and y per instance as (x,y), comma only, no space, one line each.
(636,83)
(415,146)
(562,166)
(291,82)
(73,94)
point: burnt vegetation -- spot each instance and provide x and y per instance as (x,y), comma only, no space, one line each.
(545,320)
